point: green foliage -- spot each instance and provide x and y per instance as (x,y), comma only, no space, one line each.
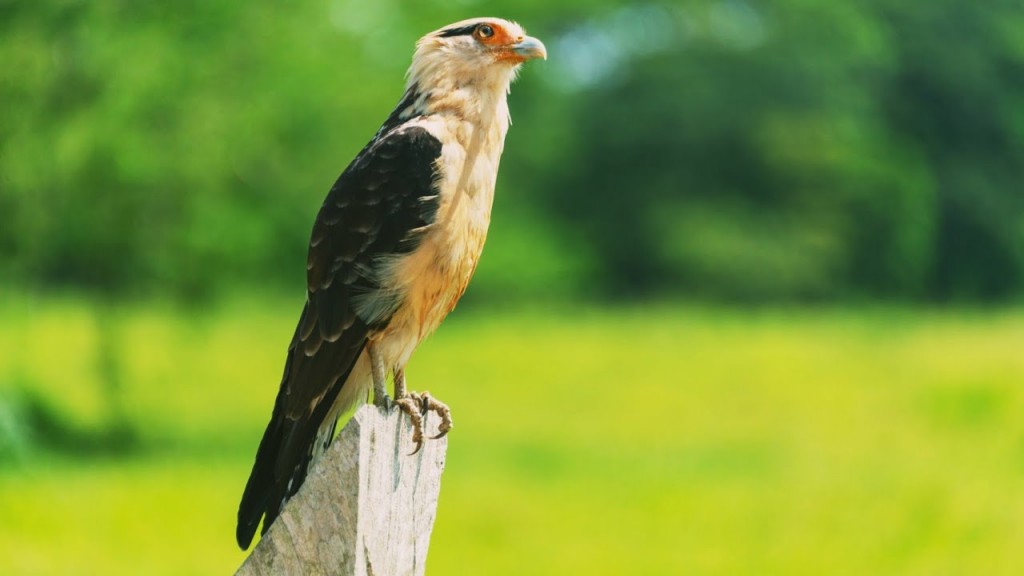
(721,148)
(653,441)
(806,151)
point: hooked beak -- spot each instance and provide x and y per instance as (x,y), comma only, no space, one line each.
(529,48)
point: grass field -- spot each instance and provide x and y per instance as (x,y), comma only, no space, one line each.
(663,440)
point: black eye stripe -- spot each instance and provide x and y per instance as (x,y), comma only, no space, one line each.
(460,31)
(486,31)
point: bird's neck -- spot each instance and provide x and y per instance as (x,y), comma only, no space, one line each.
(481,102)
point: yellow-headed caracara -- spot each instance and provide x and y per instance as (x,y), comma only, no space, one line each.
(393,247)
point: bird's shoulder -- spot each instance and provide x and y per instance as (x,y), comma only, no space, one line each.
(378,207)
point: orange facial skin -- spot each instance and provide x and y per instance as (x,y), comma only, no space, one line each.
(501,42)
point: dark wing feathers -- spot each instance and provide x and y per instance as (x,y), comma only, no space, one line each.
(378,208)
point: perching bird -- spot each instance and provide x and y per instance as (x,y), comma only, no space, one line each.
(393,248)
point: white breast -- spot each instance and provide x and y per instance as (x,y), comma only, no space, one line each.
(435,275)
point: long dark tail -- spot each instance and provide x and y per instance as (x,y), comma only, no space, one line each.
(294,438)
(287,450)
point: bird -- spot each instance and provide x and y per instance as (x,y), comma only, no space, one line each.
(393,248)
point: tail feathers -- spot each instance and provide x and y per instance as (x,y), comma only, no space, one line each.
(300,427)
(256,498)
(284,458)
(287,451)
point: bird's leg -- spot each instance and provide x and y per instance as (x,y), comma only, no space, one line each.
(380,390)
(417,405)
(399,383)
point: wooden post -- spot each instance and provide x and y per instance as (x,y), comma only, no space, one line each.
(366,509)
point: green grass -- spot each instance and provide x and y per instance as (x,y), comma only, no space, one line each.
(665,440)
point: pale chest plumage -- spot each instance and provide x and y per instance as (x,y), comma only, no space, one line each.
(435,275)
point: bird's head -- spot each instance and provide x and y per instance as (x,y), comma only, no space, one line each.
(480,52)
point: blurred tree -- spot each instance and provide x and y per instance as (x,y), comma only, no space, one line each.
(788,151)
(777,150)
(958,94)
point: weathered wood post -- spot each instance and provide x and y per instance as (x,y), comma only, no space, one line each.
(366,509)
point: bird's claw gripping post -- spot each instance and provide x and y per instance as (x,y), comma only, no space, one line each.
(417,405)
(433,404)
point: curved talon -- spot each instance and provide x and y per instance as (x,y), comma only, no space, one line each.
(446,423)
(418,446)
(417,406)
(408,405)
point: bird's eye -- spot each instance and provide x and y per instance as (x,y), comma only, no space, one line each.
(484,31)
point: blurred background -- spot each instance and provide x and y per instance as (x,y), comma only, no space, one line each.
(751,301)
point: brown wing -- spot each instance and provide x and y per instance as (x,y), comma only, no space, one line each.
(378,208)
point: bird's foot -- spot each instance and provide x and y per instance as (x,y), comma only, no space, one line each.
(417,406)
